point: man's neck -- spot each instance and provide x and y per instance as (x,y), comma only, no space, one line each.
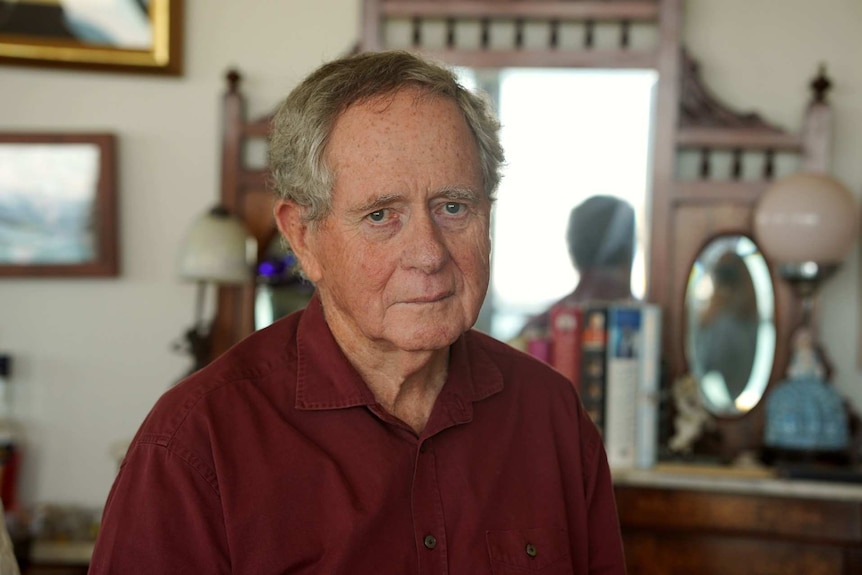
(407,393)
(405,383)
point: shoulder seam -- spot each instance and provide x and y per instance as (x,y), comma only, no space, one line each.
(185,454)
(169,440)
(208,388)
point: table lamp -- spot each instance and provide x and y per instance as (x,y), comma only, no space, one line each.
(218,250)
(806,223)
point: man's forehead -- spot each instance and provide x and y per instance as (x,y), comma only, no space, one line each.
(413,101)
(415,94)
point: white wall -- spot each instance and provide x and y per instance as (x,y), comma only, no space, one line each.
(93,355)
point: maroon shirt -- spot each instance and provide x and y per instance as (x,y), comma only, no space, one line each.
(277,459)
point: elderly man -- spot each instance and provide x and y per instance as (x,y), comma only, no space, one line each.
(373,432)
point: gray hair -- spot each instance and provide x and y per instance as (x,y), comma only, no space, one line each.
(303,123)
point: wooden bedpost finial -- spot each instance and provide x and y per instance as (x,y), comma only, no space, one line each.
(233,78)
(820,85)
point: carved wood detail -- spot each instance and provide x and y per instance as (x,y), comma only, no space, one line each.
(699,108)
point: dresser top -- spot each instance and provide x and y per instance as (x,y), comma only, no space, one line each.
(755,481)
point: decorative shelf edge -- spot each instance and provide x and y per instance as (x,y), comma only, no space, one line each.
(738,137)
(629,10)
(561,58)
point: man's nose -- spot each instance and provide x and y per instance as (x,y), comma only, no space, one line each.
(424,247)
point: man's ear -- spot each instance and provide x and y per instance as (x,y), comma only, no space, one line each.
(297,231)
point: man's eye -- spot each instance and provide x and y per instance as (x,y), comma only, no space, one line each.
(378,216)
(453,208)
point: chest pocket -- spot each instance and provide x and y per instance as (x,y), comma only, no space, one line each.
(541,550)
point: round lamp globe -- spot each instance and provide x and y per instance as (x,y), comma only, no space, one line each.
(806,217)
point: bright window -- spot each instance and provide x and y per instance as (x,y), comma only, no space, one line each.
(567,134)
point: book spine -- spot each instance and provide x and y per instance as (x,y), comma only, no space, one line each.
(649,388)
(538,345)
(593,350)
(623,373)
(566,342)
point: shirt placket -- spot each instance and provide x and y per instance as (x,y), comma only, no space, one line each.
(429,528)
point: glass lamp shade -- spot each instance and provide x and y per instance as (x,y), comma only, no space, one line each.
(806,217)
(219,249)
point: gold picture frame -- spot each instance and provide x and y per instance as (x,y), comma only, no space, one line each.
(142,36)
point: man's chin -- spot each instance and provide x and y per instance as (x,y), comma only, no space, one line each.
(425,340)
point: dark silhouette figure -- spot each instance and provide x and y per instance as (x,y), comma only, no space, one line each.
(601,240)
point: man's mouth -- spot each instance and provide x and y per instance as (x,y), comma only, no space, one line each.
(430,298)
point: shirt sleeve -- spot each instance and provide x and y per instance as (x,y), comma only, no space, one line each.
(605,540)
(163,516)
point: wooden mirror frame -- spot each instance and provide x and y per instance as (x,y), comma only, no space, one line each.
(706,206)
(244,188)
(684,213)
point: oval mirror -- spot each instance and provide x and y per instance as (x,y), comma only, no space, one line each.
(730,341)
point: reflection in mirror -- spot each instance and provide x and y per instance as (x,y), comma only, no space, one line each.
(280,290)
(729,306)
(568,134)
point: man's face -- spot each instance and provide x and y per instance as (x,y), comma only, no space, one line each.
(402,261)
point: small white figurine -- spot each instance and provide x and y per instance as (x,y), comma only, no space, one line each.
(805,362)
(691,417)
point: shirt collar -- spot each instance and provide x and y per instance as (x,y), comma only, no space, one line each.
(327,380)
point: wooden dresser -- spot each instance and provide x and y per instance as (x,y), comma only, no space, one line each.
(705,522)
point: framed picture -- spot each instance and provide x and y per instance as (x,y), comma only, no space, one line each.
(58,208)
(116,35)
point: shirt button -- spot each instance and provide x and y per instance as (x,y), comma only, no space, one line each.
(430,541)
(531,550)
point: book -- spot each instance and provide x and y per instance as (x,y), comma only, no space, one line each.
(649,388)
(538,344)
(632,385)
(623,372)
(593,350)
(565,335)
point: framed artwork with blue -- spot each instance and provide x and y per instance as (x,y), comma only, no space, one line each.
(58,205)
